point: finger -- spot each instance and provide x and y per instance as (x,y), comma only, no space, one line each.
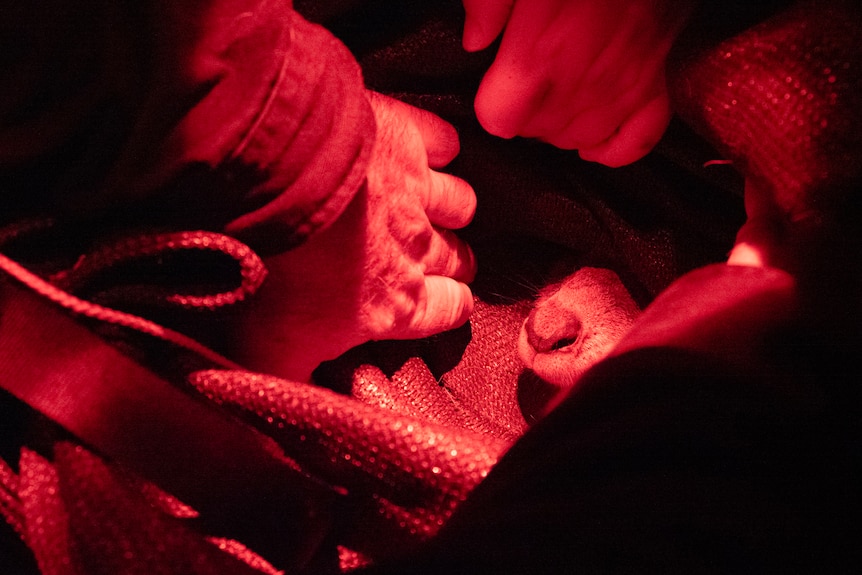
(756,243)
(450,257)
(447,305)
(508,96)
(584,116)
(758,239)
(438,136)
(515,85)
(450,202)
(636,137)
(583,131)
(485,19)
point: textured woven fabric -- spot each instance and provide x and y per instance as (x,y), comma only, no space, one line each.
(403,432)
(782,101)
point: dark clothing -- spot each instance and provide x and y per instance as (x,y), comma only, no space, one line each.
(228,116)
(732,454)
(722,435)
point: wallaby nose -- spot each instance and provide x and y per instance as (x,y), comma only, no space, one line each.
(546,333)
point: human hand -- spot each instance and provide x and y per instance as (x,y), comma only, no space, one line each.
(577,74)
(388,268)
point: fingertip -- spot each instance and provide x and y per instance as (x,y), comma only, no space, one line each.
(470,203)
(439,137)
(465,267)
(493,104)
(509,96)
(744,254)
(449,256)
(448,305)
(465,305)
(471,267)
(442,142)
(484,21)
(474,38)
(451,201)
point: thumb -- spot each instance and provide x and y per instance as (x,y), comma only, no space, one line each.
(485,19)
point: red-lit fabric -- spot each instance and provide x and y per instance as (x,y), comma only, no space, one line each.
(237,116)
(718,310)
(134,417)
(666,461)
(781,101)
(664,458)
(717,438)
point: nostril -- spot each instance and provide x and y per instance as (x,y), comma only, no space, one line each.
(565,342)
(551,332)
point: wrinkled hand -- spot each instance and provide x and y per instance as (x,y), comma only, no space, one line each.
(578,74)
(388,268)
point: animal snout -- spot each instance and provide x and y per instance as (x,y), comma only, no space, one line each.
(574,324)
(547,334)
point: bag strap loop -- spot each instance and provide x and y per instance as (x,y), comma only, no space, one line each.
(237,478)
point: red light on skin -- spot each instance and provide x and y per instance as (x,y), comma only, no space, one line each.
(587,76)
(745,254)
(759,242)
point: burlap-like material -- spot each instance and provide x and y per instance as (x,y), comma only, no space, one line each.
(403,431)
